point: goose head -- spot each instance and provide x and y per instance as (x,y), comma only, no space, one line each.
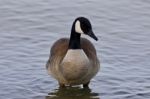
(82,25)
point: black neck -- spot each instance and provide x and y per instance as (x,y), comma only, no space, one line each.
(74,42)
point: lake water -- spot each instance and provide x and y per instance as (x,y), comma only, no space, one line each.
(28,28)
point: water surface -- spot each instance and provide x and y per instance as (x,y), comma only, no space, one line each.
(28,29)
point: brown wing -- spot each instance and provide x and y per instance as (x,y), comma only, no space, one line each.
(89,49)
(58,49)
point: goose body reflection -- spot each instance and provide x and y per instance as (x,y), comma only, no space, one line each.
(73,93)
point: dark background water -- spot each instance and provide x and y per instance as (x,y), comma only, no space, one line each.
(28,28)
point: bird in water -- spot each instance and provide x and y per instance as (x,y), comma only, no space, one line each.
(73,61)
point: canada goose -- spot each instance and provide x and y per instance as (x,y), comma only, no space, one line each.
(74,61)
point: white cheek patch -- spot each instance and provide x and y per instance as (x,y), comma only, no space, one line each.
(78,27)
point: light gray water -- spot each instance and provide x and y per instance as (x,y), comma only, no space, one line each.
(28,28)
